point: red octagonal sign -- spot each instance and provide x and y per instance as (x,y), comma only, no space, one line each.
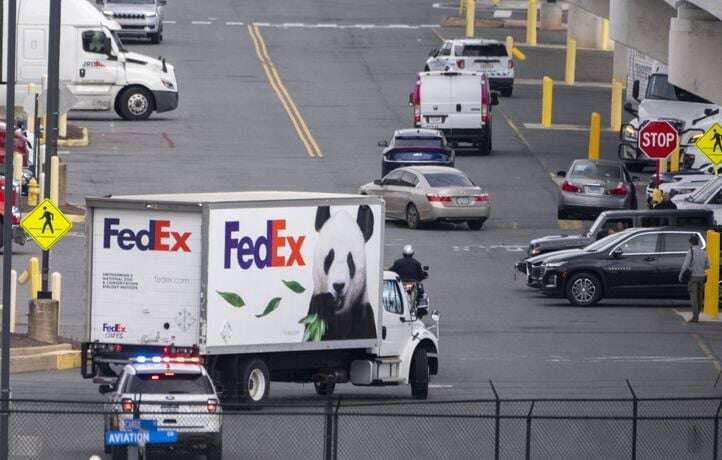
(657,139)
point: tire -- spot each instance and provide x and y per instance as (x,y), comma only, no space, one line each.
(155,38)
(324,388)
(475,224)
(413,218)
(2,234)
(507,92)
(426,68)
(562,214)
(214,451)
(485,142)
(135,103)
(419,374)
(119,452)
(255,382)
(583,289)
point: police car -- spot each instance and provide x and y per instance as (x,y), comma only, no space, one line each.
(166,395)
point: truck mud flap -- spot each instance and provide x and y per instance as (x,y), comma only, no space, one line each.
(87,369)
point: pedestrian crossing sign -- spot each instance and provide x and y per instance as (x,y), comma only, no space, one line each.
(710,143)
(46,224)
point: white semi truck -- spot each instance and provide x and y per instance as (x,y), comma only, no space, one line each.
(260,286)
(97,70)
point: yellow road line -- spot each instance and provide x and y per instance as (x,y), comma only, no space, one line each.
(299,124)
(707,352)
(438,34)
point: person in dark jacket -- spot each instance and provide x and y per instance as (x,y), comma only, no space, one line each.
(697,263)
(666,202)
(408,268)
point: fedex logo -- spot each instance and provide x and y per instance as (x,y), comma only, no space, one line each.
(117,327)
(248,252)
(156,237)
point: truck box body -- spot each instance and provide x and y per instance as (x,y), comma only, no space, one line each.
(233,272)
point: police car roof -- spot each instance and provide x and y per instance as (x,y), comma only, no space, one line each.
(152,368)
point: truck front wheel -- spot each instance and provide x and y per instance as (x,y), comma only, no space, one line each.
(255,381)
(324,388)
(419,374)
(135,103)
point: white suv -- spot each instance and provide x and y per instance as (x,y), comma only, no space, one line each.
(174,397)
(476,55)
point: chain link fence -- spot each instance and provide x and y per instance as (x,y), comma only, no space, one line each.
(636,428)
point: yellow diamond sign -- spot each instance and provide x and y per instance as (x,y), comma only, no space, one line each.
(46,224)
(711,143)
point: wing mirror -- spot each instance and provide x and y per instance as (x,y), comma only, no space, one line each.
(383,143)
(378,182)
(411,98)
(635,90)
(561,174)
(617,252)
(163,2)
(434,52)
(494,98)
(422,307)
(425,267)
(103,389)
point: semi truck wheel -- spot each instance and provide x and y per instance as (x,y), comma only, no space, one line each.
(119,452)
(135,103)
(214,451)
(324,388)
(419,374)
(255,381)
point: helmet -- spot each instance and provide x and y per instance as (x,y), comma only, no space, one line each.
(408,250)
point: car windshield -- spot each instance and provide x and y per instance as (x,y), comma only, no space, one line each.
(417,156)
(596,226)
(660,88)
(492,50)
(587,169)
(447,180)
(605,242)
(703,193)
(418,142)
(169,383)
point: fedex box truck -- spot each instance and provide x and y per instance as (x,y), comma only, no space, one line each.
(260,286)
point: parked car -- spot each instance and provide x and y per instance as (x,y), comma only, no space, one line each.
(636,263)
(172,396)
(478,55)
(708,196)
(674,183)
(608,222)
(422,194)
(415,147)
(593,186)
(456,103)
(137,18)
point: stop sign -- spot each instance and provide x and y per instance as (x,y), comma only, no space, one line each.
(657,139)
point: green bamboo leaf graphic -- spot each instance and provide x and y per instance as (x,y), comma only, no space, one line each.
(232,298)
(294,286)
(272,305)
(307,319)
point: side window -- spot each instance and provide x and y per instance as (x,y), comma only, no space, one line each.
(393,178)
(409,180)
(692,221)
(94,42)
(393,302)
(655,221)
(459,50)
(717,199)
(640,244)
(445,50)
(677,242)
(612,226)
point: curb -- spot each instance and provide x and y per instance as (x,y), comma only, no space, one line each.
(83,141)
(44,358)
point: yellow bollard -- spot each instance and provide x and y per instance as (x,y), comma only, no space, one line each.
(33,192)
(615,117)
(17,166)
(595,127)
(674,160)
(509,45)
(711,287)
(54,182)
(546,115)
(462,6)
(518,55)
(571,61)
(63,125)
(531,23)
(32,274)
(55,286)
(470,18)
(662,166)
(604,35)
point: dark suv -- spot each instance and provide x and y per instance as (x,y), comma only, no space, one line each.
(636,263)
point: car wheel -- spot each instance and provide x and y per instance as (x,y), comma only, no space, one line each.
(255,381)
(325,388)
(136,103)
(426,68)
(475,224)
(419,374)
(155,38)
(583,289)
(119,452)
(413,219)
(214,451)
(562,214)
(506,92)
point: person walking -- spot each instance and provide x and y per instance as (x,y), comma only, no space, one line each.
(693,273)
(666,202)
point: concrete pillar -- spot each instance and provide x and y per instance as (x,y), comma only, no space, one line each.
(551,15)
(642,25)
(584,27)
(620,61)
(43,320)
(597,7)
(695,41)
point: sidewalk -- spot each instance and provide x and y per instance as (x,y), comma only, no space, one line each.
(28,355)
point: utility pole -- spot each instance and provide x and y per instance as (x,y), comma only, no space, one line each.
(7,232)
(51,130)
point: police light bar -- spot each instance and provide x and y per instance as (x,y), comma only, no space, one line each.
(166,359)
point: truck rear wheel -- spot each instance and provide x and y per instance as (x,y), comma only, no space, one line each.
(119,452)
(214,451)
(419,374)
(255,381)
(324,388)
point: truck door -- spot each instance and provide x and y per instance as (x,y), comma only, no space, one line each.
(98,68)
(395,328)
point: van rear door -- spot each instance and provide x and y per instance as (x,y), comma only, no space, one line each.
(436,100)
(451,100)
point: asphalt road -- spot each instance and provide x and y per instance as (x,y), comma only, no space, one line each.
(349,68)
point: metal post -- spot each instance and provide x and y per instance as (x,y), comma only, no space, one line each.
(634,420)
(335,429)
(715,439)
(528,431)
(7,233)
(496,420)
(328,431)
(36,138)
(53,101)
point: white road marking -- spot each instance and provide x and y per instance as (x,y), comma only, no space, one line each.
(292,24)
(502,14)
(326,26)
(439,385)
(491,247)
(205,23)
(234,23)
(168,22)
(212,19)
(563,127)
(579,84)
(599,359)
(301,25)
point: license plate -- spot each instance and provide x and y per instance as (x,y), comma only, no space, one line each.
(486,65)
(463,201)
(594,190)
(435,119)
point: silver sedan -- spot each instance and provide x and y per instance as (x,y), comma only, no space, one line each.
(420,194)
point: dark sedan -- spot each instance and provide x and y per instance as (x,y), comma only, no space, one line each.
(415,147)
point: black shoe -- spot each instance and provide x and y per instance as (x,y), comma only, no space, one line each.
(693,320)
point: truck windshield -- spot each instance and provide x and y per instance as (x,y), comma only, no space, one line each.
(162,383)
(660,88)
(118,42)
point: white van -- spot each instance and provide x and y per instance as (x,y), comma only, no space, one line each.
(100,73)
(458,104)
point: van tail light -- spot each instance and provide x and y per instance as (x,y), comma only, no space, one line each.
(619,190)
(510,64)
(437,198)
(569,187)
(484,101)
(212,406)
(127,405)
(417,102)
(481,198)
(460,63)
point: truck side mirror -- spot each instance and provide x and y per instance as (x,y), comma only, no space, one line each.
(411,98)
(635,90)
(103,389)
(561,173)
(629,108)
(383,143)
(378,182)
(163,2)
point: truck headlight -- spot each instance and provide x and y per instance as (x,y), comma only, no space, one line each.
(167,83)
(535,251)
(629,133)
(150,15)
(108,13)
(554,264)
